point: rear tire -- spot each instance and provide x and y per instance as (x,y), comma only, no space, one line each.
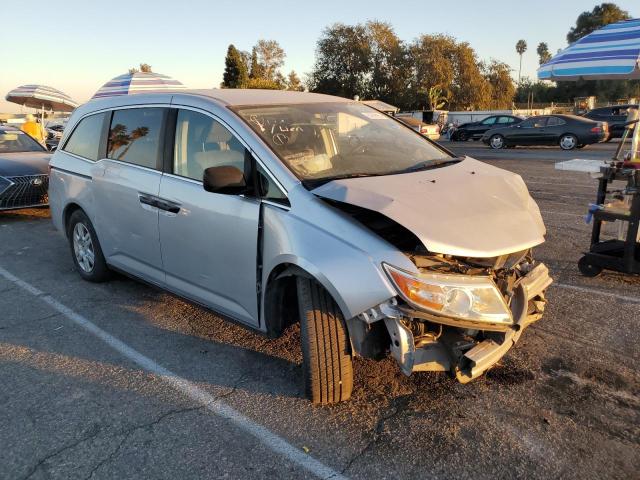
(85,249)
(463,136)
(326,351)
(568,141)
(496,142)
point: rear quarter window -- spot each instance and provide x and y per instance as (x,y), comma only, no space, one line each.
(85,138)
(135,136)
(555,121)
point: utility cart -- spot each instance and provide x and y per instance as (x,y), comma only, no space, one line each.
(622,255)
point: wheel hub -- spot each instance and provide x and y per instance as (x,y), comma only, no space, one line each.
(83,247)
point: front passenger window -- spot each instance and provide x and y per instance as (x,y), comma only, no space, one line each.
(201,142)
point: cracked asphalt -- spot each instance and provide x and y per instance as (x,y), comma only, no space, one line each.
(564,403)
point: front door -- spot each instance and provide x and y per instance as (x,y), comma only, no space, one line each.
(529,132)
(127,219)
(209,241)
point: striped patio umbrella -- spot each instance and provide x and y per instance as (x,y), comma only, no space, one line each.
(138,82)
(612,52)
(41,97)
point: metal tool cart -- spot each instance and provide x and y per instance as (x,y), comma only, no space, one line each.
(622,255)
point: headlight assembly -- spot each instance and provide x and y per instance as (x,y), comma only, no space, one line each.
(466,297)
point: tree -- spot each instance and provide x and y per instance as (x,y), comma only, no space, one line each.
(255,70)
(293,82)
(521,47)
(246,58)
(442,62)
(436,98)
(270,56)
(235,71)
(343,61)
(501,88)
(543,53)
(601,15)
(263,83)
(144,67)
(390,70)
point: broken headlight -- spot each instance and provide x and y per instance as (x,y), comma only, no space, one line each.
(466,297)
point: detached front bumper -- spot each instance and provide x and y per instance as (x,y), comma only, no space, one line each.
(459,350)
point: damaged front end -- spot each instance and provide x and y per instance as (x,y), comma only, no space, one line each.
(460,315)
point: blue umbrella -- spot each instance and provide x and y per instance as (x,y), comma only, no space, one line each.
(138,82)
(609,53)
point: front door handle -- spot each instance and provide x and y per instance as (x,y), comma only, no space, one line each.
(159,203)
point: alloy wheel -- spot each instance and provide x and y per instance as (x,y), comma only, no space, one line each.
(496,142)
(568,142)
(83,247)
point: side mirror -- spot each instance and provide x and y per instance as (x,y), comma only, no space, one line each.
(225,179)
(53,148)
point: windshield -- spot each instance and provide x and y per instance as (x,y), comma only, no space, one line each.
(17,141)
(320,142)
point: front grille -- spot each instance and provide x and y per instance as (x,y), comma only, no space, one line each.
(24,191)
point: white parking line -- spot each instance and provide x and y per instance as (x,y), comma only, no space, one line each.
(595,291)
(190,390)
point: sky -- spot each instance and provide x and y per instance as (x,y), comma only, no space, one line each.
(77,46)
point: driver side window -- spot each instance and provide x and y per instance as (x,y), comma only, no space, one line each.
(201,142)
(534,122)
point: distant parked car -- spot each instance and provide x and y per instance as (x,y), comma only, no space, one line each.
(475,130)
(567,131)
(428,130)
(54,134)
(24,165)
(615,116)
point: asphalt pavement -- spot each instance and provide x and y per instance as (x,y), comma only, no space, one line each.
(119,380)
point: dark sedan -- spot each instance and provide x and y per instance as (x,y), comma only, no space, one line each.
(566,131)
(24,166)
(475,130)
(615,116)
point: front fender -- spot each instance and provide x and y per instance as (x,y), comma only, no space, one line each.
(351,273)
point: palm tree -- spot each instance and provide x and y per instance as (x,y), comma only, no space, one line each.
(521,47)
(543,53)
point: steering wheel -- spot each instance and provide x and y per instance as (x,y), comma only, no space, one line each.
(355,144)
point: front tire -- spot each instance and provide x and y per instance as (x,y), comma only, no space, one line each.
(85,248)
(568,141)
(326,351)
(496,142)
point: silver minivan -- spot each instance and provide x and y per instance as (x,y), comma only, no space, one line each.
(275,207)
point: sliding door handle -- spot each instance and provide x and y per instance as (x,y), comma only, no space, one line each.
(148,200)
(168,206)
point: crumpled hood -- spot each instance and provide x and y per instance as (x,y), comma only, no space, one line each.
(468,209)
(24,163)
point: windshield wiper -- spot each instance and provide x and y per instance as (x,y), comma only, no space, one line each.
(316,182)
(429,164)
